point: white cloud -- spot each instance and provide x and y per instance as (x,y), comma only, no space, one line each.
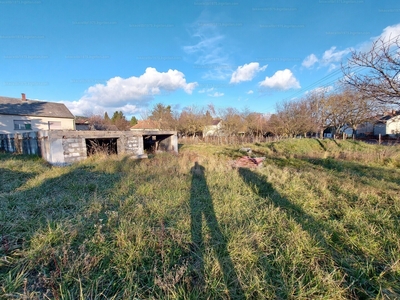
(309,61)
(332,67)
(250,92)
(118,90)
(330,56)
(216,94)
(281,80)
(246,72)
(321,89)
(130,94)
(204,90)
(389,33)
(86,108)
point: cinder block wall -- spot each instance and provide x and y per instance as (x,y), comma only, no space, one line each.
(61,147)
(74,149)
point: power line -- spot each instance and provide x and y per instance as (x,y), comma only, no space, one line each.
(335,73)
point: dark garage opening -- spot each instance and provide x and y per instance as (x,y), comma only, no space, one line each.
(106,146)
(157,142)
(149,143)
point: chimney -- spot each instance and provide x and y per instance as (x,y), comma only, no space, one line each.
(23,98)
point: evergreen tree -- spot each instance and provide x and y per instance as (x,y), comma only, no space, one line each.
(133,121)
(119,120)
(163,116)
(118,115)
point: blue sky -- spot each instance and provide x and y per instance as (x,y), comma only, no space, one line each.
(98,56)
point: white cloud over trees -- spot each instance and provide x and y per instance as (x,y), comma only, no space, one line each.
(129,94)
(281,80)
(246,72)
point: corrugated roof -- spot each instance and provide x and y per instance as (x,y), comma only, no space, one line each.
(16,106)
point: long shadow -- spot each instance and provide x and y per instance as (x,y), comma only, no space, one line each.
(201,205)
(11,180)
(360,170)
(341,167)
(322,145)
(360,284)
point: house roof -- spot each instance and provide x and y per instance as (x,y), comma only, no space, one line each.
(145,124)
(81,120)
(214,122)
(17,106)
(388,116)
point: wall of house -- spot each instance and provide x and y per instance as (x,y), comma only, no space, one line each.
(393,126)
(366,128)
(37,123)
(380,129)
(213,130)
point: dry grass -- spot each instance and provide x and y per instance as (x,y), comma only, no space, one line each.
(320,219)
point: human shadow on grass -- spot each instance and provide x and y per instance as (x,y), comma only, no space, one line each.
(360,284)
(201,205)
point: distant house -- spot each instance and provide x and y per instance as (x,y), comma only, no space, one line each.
(389,124)
(366,128)
(214,128)
(19,115)
(82,124)
(146,125)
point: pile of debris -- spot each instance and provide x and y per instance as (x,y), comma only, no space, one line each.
(248,162)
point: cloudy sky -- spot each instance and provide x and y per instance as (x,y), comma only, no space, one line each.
(98,56)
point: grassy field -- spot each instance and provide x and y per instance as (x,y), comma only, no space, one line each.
(319,220)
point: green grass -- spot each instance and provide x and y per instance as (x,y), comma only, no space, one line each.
(320,219)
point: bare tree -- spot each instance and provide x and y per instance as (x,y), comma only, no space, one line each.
(191,121)
(376,73)
(232,121)
(293,118)
(255,123)
(357,109)
(318,106)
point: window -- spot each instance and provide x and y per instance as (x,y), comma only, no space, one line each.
(22,125)
(54,125)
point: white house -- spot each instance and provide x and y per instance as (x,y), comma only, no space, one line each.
(388,125)
(24,115)
(213,129)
